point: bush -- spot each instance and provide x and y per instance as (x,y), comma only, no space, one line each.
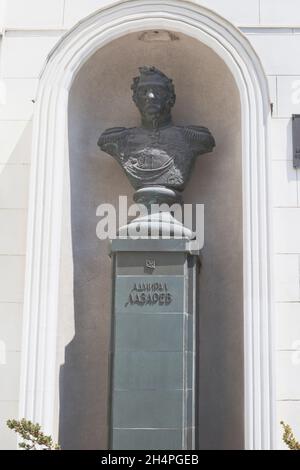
(289,438)
(33,437)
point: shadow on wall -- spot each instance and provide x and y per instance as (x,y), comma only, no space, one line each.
(84,377)
(101,98)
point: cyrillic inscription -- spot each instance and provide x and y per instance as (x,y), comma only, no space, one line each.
(149,293)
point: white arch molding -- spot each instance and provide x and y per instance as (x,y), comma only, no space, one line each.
(38,376)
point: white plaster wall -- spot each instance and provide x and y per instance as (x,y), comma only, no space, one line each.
(278,49)
(28,31)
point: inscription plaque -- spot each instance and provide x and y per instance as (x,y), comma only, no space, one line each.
(158,294)
(149,294)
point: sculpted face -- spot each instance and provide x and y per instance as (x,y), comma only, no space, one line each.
(153,95)
(153,98)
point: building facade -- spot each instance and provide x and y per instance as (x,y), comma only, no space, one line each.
(65,67)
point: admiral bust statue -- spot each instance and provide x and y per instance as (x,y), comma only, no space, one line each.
(157,154)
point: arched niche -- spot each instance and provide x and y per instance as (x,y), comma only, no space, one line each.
(100,97)
(220,84)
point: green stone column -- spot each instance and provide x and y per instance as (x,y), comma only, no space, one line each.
(153,395)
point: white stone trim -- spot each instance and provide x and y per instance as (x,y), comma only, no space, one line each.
(38,379)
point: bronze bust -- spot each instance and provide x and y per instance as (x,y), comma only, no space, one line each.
(157,154)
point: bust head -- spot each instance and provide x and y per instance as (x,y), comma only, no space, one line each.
(154,95)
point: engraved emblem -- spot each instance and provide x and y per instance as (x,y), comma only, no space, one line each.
(150,263)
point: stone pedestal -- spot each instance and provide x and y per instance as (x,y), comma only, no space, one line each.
(153,347)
